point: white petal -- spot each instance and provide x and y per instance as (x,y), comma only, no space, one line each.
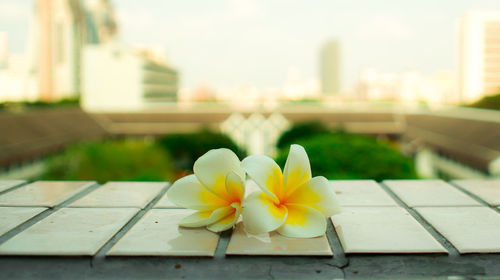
(212,168)
(203,218)
(226,222)
(303,222)
(189,193)
(266,173)
(297,168)
(318,194)
(235,187)
(261,215)
(251,187)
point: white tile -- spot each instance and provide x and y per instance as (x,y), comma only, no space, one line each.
(242,243)
(43,193)
(487,190)
(429,193)
(69,231)
(382,230)
(361,193)
(121,194)
(469,229)
(8,184)
(11,217)
(164,202)
(158,234)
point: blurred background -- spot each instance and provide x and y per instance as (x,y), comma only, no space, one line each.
(138,90)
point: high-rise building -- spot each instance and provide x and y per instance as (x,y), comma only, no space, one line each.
(330,68)
(479,55)
(61,29)
(4,49)
(100,22)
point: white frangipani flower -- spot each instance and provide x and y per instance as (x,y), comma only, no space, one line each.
(291,202)
(215,189)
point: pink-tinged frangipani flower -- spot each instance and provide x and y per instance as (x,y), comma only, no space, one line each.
(216,190)
(292,203)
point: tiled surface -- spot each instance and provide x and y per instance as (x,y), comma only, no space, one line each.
(11,217)
(487,190)
(164,202)
(43,193)
(8,184)
(121,194)
(69,231)
(158,234)
(429,193)
(382,230)
(361,193)
(242,243)
(370,222)
(469,229)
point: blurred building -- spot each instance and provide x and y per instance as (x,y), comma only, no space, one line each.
(297,87)
(15,83)
(479,55)
(120,79)
(4,49)
(100,22)
(330,68)
(50,69)
(407,87)
(57,65)
(58,30)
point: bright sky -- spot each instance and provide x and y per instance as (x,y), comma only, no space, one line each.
(233,42)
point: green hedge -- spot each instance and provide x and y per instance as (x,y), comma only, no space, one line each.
(133,160)
(186,148)
(491,102)
(299,131)
(350,156)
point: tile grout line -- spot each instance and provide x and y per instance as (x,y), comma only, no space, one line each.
(340,260)
(474,196)
(14,187)
(47,212)
(452,251)
(101,253)
(224,238)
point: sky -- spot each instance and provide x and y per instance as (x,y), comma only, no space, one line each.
(227,43)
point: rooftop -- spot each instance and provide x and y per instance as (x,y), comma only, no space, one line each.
(395,229)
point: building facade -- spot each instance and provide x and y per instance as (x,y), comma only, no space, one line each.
(479,55)
(118,79)
(330,68)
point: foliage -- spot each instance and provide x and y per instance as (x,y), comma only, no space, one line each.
(299,131)
(185,148)
(350,156)
(131,160)
(26,105)
(491,102)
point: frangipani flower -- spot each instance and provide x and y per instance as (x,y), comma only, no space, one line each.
(291,202)
(215,189)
